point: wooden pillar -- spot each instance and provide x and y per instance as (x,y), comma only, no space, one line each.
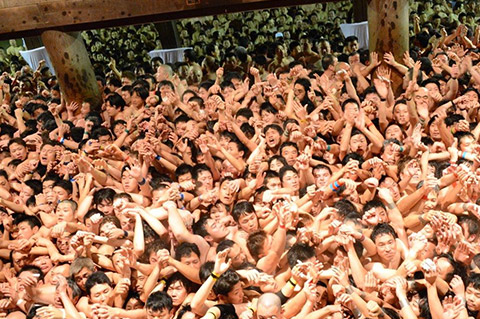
(72,66)
(388,30)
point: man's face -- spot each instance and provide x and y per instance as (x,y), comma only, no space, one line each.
(18,151)
(290,154)
(401,114)
(422,98)
(226,193)
(444,267)
(106,207)
(44,263)
(352,46)
(290,179)
(19,260)
(163,314)
(352,110)
(206,178)
(64,212)
(237,256)
(177,292)
(392,186)
(62,194)
(386,246)
(358,144)
(191,260)
(216,229)
(248,222)
(25,231)
(274,183)
(322,177)
(100,293)
(473,298)
(272,138)
(47,154)
(235,296)
(81,277)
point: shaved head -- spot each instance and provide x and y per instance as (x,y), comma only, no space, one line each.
(269,305)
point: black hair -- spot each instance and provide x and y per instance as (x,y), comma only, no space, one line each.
(158,301)
(96,278)
(299,251)
(382,229)
(242,208)
(226,282)
(185,250)
(103,194)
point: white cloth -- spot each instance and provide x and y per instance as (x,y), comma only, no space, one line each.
(36,55)
(360,30)
(169,55)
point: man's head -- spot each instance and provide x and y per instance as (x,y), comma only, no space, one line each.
(66,211)
(98,287)
(269,306)
(244,214)
(472,294)
(384,237)
(236,254)
(81,269)
(27,226)
(229,288)
(189,254)
(159,306)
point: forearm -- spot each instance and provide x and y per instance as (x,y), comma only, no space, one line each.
(138,238)
(191,273)
(198,302)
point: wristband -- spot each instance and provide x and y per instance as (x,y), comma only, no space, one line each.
(453,104)
(453,130)
(329,148)
(72,179)
(182,197)
(163,281)
(158,157)
(142,182)
(251,308)
(401,149)
(391,205)
(464,154)
(369,124)
(63,313)
(292,281)
(331,187)
(20,301)
(286,133)
(213,314)
(281,226)
(126,158)
(127,130)
(214,275)
(336,184)
(125,234)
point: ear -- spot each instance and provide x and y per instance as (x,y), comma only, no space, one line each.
(208,238)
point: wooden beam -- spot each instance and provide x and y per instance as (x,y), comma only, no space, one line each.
(24,18)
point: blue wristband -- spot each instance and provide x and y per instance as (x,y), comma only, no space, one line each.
(142,182)
(182,197)
(158,157)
